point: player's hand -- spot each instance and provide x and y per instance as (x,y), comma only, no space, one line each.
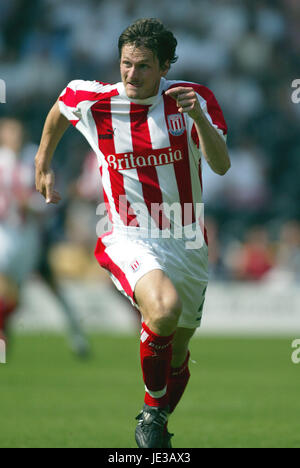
(44,182)
(186,100)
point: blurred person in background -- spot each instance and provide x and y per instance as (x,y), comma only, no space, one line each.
(246,187)
(24,239)
(19,232)
(252,259)
(286,255)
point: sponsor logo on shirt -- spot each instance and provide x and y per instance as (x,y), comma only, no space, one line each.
(161,157)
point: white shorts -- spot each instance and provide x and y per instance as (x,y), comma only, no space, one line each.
(128,260)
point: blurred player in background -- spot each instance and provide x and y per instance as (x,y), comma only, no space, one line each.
(19,237)
(24,239)
(149,135)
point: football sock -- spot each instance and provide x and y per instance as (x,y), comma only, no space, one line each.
(156,356)
(177,383)
(2,313)
(5,310)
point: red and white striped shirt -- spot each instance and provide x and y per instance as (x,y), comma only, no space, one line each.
(148,152)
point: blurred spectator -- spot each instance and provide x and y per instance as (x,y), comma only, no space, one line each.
(287,255)
(246,184)
(245,187)
(253,259)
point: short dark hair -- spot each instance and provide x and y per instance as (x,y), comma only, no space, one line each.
(152,34)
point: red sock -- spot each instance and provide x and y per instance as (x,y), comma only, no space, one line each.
(5,311)
(177,383)
(156,356)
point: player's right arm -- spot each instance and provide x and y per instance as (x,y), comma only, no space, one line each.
(55,126)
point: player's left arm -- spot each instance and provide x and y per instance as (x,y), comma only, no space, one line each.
(212,144)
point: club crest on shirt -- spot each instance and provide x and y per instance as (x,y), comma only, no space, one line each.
(176,124)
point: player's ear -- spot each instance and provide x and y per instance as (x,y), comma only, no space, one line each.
(165,68)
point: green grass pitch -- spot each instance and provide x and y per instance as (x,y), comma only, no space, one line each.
(244,392)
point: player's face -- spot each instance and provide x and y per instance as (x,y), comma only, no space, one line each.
(140,71)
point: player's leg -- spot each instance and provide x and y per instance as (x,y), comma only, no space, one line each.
(158,302)
(193,293)
(9,290)
(9,298)
(136,271)
(179,373)
(160,306)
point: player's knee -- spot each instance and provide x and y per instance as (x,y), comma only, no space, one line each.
(164,312)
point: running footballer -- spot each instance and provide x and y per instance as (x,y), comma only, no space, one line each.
(149,135)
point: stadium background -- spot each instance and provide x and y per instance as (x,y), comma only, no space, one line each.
(247,52)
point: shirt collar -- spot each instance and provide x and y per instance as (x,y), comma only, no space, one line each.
(145,102)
